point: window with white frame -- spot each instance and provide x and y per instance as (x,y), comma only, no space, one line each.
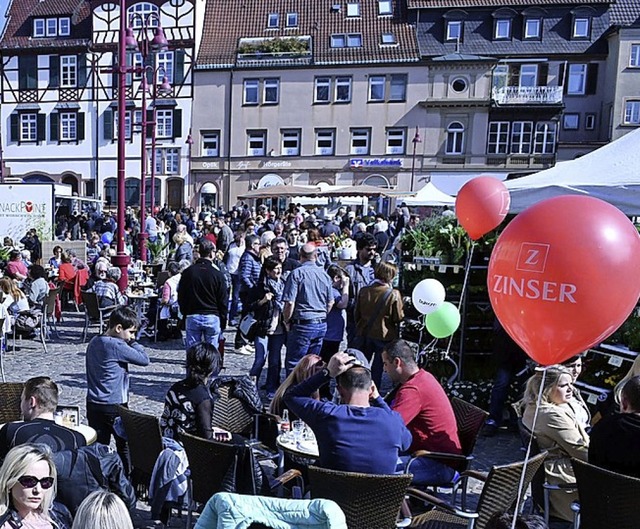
(290,142)
(128,128)
(38,27)
(360,141)
(211,143)
(343,89)
(164,123)
(376,87)
(398,87)
(631,113)
(164,62)
(396,141)
(68,126)
(68,71)
(322,90)
(571,121)
(28,127)
(577,79)
(251,91)
(64,26)
(498,137)
(502,29)
(528,75)
(350,40)
(292,20)
(521,136)
(143,12)
(52,27)
(256,142)
(325,142)
(273,20)
(454,30)
(589,121)
(168,161)
(532,28)
(338,40)
(385,7)
(271,91)
(634,56)
(353,9)
(455,138)
(581,27)
(544,140)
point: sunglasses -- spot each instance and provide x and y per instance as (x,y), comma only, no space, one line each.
(29,482)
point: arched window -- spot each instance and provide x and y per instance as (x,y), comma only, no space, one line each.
(110,191)
(132,192)
(156,191)
(455,138)
(139,14)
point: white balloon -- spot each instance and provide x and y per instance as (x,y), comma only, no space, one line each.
(428,296)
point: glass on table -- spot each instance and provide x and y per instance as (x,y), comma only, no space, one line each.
(298,429)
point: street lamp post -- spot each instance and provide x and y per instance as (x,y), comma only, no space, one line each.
(145,47)
(416,139)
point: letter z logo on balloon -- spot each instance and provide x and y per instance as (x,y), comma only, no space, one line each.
(532,257)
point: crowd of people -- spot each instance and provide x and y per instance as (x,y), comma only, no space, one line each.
(294,305)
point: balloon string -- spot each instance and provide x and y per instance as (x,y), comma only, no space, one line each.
(467,270)
(528,452)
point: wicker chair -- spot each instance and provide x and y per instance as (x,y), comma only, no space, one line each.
(499,494)
(93,314)
(469,420)
(48,319)
(367,500)
(10,397)
(607,499)
(145,444)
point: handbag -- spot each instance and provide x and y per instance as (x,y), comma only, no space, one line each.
(247,326)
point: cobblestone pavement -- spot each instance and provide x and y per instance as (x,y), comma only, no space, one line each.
(64,363)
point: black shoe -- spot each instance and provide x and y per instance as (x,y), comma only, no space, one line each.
(489,429)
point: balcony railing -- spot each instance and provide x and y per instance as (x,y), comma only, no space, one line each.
(527,95)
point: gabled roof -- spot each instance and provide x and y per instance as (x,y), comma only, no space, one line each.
(19,27)
(228,21)
(625,13)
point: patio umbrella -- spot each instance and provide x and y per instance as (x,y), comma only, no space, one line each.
(363,191)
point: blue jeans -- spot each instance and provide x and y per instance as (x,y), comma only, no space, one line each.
(202,328)
(268,347)
(302,340)
(427,471)
(373,352)
(235,296)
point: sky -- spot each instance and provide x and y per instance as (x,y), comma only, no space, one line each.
(3,10)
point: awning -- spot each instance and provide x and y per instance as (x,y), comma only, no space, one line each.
(128,104)
(67,106)
(27,106)
(282,191)
(164,103)
(208,189)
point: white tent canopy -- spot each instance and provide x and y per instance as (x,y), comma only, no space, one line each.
(610,173)
(430,195)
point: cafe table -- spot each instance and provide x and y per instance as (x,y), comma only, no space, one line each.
(303,450)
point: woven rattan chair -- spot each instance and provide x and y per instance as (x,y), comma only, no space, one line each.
(145,444)
(469,420)
(10,397)
(93,314)
(367,500)
(607,499)
(231,414)
(48,320)
(499,494)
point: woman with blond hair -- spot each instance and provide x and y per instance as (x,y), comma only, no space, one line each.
(558,431)
(27,488)
(102,510)
(378,312)
(308,365)
(184,246)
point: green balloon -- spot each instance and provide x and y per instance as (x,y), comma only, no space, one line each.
(444,321)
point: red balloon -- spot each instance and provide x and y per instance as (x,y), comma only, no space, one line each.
(481,205)
(564,275)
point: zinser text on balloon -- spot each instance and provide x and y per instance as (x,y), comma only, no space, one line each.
(534,289)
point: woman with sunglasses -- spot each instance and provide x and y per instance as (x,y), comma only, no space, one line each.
(27,488)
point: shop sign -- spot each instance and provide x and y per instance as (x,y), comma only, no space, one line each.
(359,163)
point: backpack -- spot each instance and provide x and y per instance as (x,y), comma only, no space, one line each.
(87,469)
(27,322)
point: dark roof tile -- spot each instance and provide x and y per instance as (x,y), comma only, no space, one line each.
(625,13)
(426,4)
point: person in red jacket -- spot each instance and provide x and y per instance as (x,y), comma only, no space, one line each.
(426,411)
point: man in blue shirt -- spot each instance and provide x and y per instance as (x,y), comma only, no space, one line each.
(361,435)
(307,301)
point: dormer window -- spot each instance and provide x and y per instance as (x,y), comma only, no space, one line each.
(292,20)
(51,27)
(454,30)
(388,39)
(353,9)
(273,21)
(581,27)
(532,28)
(38,27)
(502,29)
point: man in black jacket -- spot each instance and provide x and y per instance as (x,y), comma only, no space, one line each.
(203,297)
